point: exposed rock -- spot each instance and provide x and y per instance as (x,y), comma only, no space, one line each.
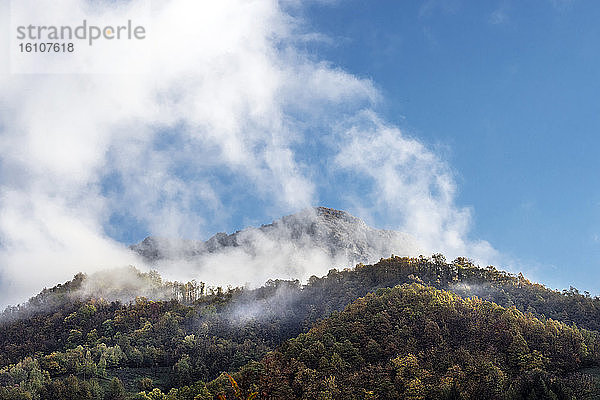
(338,233)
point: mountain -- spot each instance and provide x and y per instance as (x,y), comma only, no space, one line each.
(337,234)
(401,328)
(413,341)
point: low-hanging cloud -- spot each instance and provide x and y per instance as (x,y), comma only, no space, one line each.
(296,246)
(226,109)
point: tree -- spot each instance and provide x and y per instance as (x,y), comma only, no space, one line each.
(115,390)
(145,384)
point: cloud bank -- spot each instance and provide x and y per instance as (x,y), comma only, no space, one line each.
(226,113)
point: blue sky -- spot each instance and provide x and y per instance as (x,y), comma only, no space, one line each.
(469,125)
(507,93)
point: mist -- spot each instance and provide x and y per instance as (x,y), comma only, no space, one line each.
(307,243)
(227,116)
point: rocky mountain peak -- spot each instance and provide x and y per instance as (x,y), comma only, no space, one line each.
(337,233)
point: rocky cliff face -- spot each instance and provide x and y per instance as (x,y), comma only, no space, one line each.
(336,233)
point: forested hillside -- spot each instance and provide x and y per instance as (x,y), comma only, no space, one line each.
(418,342)
(68,340)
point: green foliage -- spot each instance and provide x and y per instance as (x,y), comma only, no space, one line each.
(421,344)
(481,351)
(115,391)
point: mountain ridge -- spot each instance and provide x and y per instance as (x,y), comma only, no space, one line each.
(153,344)
(336,232)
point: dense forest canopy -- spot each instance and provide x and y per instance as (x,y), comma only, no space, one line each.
(448,328)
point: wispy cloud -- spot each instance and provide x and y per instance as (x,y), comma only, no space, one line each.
(227,110)
(499,16)
(410,187)
(562,5)
(430,7)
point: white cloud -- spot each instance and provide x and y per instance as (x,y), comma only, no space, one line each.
(500,15)
(411,187)
(220,109)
